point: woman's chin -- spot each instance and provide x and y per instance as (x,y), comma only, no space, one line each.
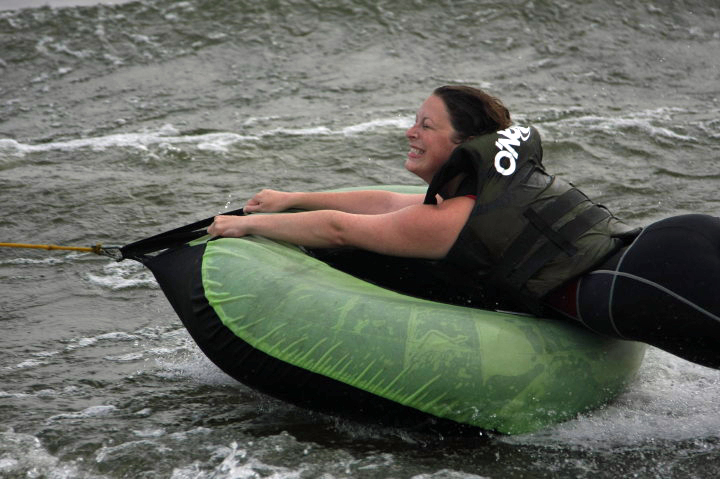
(411,165)
(417,171)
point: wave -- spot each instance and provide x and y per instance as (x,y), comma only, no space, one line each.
(165,135)
(656,123)
(212,141)
(22,455)
(651,122)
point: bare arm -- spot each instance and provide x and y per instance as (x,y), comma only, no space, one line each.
(358,201)
(421,231)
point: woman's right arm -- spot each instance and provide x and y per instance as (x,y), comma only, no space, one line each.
(357,201)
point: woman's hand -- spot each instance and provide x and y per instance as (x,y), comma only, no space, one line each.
(266,201)
(269,201)
(228,226)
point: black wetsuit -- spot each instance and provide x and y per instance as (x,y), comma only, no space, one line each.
(661,290)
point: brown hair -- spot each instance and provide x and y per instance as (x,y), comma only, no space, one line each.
(472,111)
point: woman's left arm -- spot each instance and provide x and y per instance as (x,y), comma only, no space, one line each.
(420,231)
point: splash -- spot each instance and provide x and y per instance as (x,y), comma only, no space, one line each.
(671,400)
(123,275)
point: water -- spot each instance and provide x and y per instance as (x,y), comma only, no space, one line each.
(119,120)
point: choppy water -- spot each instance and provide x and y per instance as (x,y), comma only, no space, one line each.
(119,121)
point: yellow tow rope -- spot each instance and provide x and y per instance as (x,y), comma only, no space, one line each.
(97,249)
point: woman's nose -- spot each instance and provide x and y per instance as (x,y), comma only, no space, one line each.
(411,132)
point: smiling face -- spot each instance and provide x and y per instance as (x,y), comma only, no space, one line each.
(431,139)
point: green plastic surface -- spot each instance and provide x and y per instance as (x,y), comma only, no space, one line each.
(498,371)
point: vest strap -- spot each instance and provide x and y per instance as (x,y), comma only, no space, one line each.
(570,232)
(541,222)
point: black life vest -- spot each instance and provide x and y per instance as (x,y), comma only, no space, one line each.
(528,232)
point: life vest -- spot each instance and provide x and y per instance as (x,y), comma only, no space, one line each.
(528,232)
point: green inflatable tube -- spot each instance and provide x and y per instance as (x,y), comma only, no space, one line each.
(498,371)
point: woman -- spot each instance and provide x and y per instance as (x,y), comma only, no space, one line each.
(507,230)
(384,222)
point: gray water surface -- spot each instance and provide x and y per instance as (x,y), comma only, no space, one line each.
(118,121)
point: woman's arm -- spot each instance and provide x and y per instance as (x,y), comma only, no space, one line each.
(358,201)
(420,231)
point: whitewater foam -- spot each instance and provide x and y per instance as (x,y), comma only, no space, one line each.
(670,400)
(647,121)
(168,135)
(123,275)
(22,455)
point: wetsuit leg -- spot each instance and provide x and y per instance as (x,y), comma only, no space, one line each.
(663,290)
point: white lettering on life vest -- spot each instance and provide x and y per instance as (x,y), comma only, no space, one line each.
(506,149)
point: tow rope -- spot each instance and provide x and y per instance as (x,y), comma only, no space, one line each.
(139,250)
(111,252)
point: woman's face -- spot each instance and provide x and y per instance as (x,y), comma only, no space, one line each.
(431,139)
